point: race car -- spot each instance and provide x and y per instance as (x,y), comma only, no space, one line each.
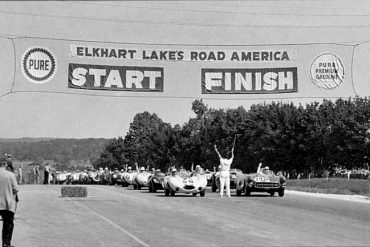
(83,178)
(179,182)
(61,177)
(105,177)
(209,176)
(265,181)
(155,182)
(74,177)
(142,178)
(234,174)
(115,177)
(129,179)
(94,177)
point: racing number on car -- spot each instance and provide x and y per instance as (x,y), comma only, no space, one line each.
(259,179)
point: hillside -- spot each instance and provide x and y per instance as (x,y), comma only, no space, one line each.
(63,151)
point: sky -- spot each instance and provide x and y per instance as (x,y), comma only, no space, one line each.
(303,28)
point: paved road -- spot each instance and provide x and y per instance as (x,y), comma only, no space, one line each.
(116,216)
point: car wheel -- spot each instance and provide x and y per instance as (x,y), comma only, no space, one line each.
(247,192)
(214,186)
(202,193)
(272,193)
(166,192)
(195,194)
(281,192)
(135,186)
(172,193)
(150,188)
(238,192)
(139,187)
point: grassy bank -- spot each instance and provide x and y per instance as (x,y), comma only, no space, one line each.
(331,186)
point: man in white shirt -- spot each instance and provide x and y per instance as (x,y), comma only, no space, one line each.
(225,165)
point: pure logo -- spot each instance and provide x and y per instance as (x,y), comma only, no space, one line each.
(327,71)
(38,65)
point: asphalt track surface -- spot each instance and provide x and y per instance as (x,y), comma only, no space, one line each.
(116,216)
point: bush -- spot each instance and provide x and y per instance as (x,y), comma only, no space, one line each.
(331,186)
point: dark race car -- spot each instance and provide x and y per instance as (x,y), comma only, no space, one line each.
(115,177)
(234,174)
(261,182)
(155,182)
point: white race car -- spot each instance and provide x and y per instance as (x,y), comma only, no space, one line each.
(61,177)
(185,184)
(75,177)
(142,179)
(129,178)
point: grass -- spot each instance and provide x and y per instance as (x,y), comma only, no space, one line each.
(331,186)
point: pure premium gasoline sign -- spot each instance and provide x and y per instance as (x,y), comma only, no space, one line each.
(38,65)
(327,71)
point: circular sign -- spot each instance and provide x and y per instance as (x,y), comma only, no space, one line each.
(38,65)
(327,71)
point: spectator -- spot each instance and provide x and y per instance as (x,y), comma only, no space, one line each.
(46,173)
(20,175)
(36,172)
(8,202)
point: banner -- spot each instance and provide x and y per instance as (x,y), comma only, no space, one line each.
(249,81)
(194,55)
(251,73)
(120,78)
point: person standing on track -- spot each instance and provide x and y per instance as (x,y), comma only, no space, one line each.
(8,202)
(46,173)
(225,165)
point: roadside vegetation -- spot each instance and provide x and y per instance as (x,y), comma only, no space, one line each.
(331,186)
(314,139)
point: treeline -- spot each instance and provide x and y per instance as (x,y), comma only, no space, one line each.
(62,151)
(313,138)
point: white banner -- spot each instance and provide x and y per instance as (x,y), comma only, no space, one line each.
(245,55)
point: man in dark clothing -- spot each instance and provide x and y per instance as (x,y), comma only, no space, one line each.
(9,163)
(46,174)
(8,202)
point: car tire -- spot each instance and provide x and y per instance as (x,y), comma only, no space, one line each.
(214,186)
(173,193)
(195,194)
(139,187)
(281,192)
(238,192)
(166,192)
(150,188)
(272,193)
(247,192)
(202,193)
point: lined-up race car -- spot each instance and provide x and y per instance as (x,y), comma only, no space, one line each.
(141,178)
(209,176)
(234,174)
(105,177)
(155,182)
(181,183)
(94,177)
(265,181)
(74,177)
(129,179)
(115,177)
(83,178)
(61,177)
